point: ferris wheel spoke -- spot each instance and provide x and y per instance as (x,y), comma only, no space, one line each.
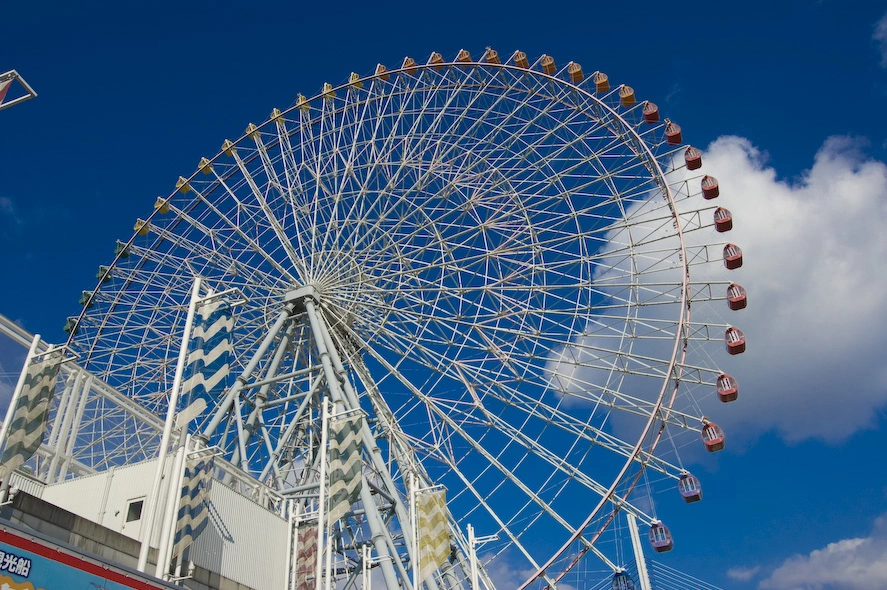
(236,229)
(531,445)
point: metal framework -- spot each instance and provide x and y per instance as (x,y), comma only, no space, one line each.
(490,260)
(6,81)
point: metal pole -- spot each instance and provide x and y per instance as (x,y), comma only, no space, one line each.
(60,442)
(11,409)
(174,491)
(152,500)
(234,391)
(414,524)
(472,557)
(643,576)
(75,426)
(365,570)
(321,501)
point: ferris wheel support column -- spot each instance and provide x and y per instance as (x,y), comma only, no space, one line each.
(235,389)
(375,452)
(381,539)
(261,397)
(404,459)
(64,415)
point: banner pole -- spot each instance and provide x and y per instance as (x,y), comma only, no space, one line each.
(154,499)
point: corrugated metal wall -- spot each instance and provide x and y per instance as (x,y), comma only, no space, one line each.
(27,484)
(243,541)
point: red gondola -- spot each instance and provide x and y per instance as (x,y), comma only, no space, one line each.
(737,297)
(673,133)
(710,188)
(651,112)
(723,220)
(735,340)
(660,538)
(732,256)
(713,437)
(728,388)
(693,158)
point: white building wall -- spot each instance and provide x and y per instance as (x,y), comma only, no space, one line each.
(242,541)
(104,497)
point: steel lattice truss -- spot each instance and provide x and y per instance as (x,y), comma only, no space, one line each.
(499,257)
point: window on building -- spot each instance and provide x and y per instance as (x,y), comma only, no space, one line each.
(134,510)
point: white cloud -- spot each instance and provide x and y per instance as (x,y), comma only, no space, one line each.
(849,564)
(814,251)
(743,574)
(880,37)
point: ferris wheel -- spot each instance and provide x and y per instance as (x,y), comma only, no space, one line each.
(490,260)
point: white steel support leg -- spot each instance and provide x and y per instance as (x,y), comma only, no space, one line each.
(643,575)
(321,499)
(261,396)
(75,427)
(375,452)
(235,389)
(378,529)
(63,417)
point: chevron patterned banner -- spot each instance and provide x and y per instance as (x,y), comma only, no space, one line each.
(345,465)
(306,556)
(207,370)
(193,511)
(434,536)
(28,423)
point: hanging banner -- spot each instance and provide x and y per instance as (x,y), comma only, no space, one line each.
(28,424)
(434,535)
(345,465)
(306,556)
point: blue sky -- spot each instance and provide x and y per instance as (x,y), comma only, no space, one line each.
(131,96)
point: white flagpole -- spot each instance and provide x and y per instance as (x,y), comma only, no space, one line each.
(11,409)
(154,499)
(290,556)
(173,495)
(414,516)
(364,568)
(321,500)
(472,557)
